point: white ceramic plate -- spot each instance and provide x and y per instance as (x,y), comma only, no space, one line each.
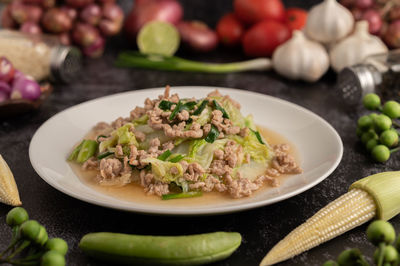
(319,146)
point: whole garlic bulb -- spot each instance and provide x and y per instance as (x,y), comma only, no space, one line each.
(356,48)
(329,22)
(300,58)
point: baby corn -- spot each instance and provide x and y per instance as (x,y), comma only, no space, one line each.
(377,195)
(8,189)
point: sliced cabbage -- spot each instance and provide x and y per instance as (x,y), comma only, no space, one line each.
(154,134)
(162,170)
(234,113)
(141,120)
(125,136)
(258,152)
(205,116)
(202,152)
(251,170)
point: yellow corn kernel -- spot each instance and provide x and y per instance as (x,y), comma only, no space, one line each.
(346,212)
(8,189)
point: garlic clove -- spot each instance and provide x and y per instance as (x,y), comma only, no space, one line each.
(356,48)
(329,22)
(301,58)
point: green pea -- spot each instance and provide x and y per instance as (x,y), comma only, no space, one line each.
(380,231)
(58,245)
(371,144)
(371,101)
(373,115)
(52,258)
(330,263)
(389,138)
(380,153)
(366,136)
(16,216)
(359,132)
(390,254)
(350,257)
(391,109)
(365,122)
(180,250)
(382,122)
(30,229)
(42,237)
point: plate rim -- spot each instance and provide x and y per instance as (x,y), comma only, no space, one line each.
(190,212)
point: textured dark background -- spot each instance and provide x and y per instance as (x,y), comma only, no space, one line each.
(261,228)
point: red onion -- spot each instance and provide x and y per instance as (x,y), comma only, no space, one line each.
(198,36)
(165,10)
(109,27)
(113,12)
(71,12)
(7,70)
(30,28)
(25,88)
(392,34)
(6,19)
(374,21)
(364,4)
(3,96)
(78,3)
(5,87)
(96,49)
(91,14)
(85,34)
(56,20)
(64,38)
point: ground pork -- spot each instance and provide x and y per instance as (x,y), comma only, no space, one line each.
(91,164)
(157,188)
(118,151)
(139,135)
(241,187)
(110,168)
(193,172)
(283,162)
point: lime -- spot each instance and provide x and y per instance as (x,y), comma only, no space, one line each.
(157,37)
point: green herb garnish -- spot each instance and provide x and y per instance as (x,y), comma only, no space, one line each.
(219,107)
(176,110)
(176,158)
(104,155)
(165,105)
(258,136)
(182,195)
(201,107)
(164,155)
(212,135)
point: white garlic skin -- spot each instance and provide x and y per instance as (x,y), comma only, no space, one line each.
(300,58)
(329,22)
(356,48)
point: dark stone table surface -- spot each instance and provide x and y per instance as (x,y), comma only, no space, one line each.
(261,228)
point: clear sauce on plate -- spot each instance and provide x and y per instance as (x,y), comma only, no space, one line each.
(134,192)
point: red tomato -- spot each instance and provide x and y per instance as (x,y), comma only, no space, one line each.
(252,11)
(264,37)
(296,18)
(230,30)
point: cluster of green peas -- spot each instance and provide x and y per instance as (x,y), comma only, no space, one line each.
(381,234)
(377,131)
(30,244)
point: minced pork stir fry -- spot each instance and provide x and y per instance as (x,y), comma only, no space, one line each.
(179,148)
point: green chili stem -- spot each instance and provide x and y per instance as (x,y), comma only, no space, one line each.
(394,150)
(173,63)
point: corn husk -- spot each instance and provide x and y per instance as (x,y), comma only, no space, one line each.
(8,188)
(373,196)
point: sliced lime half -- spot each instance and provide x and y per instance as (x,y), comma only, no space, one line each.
(157,37)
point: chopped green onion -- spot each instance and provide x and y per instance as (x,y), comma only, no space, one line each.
(176,110)
(188,106)
(75,152)
(212,135)
(100,136)
(88,149)
(182,195)
(177,158)
(164,155)
(258,136)
(165,105)
(188,122)
(104,155)
(219,107)
(173,63)
(200,109)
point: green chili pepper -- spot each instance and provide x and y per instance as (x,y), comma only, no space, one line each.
(88,149)
(212,135)
(258,136)
(160,250)
(164,155)
(75,152)
(201,107)
(219,107)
